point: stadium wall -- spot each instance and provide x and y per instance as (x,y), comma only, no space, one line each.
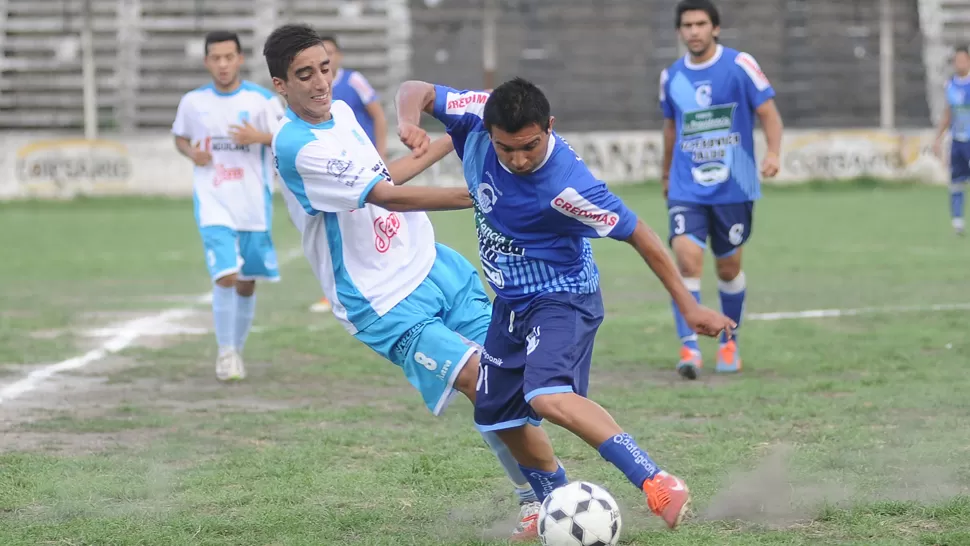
(56,166)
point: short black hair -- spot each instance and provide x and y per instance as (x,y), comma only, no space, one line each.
(332,39)
(698,5)
(961,49)
(219,36)
(515,105)
(285,43)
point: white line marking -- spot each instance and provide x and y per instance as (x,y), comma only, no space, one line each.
(127,333)
(835,313)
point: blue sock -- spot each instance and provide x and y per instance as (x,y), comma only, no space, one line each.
(732,300)
(523,489)
(245,309)
(543,483)
(956,200)
(623,451)
(687,336)
(223,309)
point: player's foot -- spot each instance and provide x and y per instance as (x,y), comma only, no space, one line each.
(321,306)
(728,358)
(668,497)
(958,226)
(528,527)
(689,366)
(229,366)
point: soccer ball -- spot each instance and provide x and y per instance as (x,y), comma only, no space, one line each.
(579,514)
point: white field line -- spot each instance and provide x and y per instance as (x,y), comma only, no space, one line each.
(835,313)
(123,336)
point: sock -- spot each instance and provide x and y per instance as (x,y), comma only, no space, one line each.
(732,300)
(523,489)
(623,451)
(223,307)
(544,483)
(956,201)
(686,335)
(245,309)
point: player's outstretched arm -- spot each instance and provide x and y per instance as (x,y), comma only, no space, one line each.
(703,320)
(405,199)
(405,168)
(414,97)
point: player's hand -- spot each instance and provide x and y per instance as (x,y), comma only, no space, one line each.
(708,322)
(770,165)
(415,138)
(245,134)
(201,157)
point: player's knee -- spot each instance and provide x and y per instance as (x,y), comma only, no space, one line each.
(553,407)
(227,281)
(728,269)
(689,257)
(245,288)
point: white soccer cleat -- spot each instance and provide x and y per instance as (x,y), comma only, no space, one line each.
(229,366)
(321,306)
(958,226)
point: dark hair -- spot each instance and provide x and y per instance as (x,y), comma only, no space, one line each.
(332,39)
(218,36)
(285,43)
(698,5)
(516,104)
(961,49)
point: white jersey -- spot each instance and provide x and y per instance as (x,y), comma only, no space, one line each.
(234,190)
(366,258)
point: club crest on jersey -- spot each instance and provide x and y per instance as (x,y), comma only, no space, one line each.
(703,95)
(337,168)
(711,174)
(486,197)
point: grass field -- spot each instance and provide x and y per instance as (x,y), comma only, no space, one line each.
(847,430)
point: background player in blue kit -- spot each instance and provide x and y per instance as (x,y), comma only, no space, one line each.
(535,205)
(710,99)
(956,118)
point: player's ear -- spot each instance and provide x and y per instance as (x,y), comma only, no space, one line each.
(552,121)
(280,86)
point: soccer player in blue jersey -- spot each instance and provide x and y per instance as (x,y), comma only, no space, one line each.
(710,99)
(419,304)
(956,119)
(536,205)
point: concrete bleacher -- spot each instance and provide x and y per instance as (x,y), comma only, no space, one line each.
(600,61)
(149,52)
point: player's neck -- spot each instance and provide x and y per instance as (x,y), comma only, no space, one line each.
(226,89)
(963,75)
(704,57)
(310,118)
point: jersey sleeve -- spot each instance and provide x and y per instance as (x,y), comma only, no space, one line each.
(461,112)
(182,126)
(588,208)
(665,105)
(324,182)
(757,87)
(364,90)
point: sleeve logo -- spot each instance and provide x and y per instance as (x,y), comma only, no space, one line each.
(472,102)
(574,205)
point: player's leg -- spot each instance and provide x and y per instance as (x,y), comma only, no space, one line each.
(223,261)
(732,228)
(559,349)
(959,175)
(259,263)
(688,240)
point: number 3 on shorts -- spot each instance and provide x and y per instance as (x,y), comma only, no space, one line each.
(680,224)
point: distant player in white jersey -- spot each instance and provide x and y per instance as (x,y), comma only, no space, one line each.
(225,128)
(419,304)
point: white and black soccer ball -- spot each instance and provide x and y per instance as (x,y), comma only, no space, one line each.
(579,514)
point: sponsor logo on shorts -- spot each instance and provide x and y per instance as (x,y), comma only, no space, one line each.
(570,203)
(491,359)
(532,341)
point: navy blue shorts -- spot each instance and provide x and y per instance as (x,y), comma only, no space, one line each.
(960,161)
(728,226)
(547,349)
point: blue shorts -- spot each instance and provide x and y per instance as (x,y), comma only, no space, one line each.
(547,349)
(433,332)
(728,226)
(250,254)
(959,161)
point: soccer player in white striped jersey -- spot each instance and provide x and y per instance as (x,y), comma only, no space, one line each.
(225,128)
(418,304)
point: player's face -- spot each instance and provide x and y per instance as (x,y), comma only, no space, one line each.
(522,152)
(307,84)
(961,63)
(223,59)
(336,57)
(697,32)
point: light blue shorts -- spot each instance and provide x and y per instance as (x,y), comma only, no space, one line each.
(433,332)
(250,254)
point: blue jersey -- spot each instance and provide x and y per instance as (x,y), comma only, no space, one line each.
(713,106)
(532,229)
(958,99)
(353,88)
